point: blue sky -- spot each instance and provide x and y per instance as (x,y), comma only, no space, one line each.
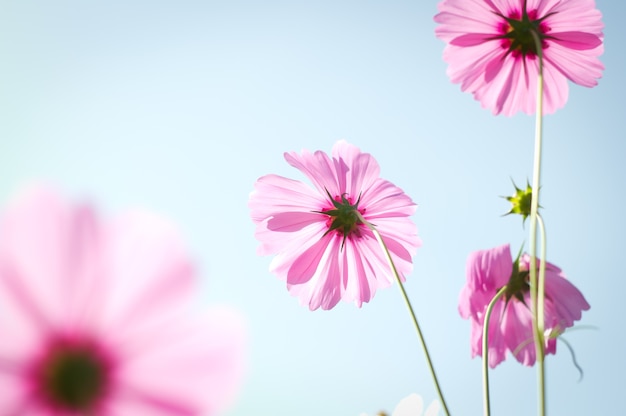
(180,106)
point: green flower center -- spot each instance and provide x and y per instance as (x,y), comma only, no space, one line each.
(73,376)
(524,33)
(518,284)
(344,217)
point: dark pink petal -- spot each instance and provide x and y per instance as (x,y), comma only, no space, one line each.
(568,301)
(517,329)
(489,269)
(323,289)
(577,40)
(306,264)
(293,221)
(471,39)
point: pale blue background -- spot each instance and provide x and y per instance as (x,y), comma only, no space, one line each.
(181,106)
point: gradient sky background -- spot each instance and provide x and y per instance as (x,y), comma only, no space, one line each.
(180,106)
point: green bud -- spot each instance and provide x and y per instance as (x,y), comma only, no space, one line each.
(521,201)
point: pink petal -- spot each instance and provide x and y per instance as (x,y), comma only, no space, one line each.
(150,273)
(319,168)
(577,40)
(306,264)
(356,171)
(209,351)
(274,194)
(471,39)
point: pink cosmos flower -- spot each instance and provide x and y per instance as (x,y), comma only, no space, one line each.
(491,51)
(510,327)
(323,250)
(94,317)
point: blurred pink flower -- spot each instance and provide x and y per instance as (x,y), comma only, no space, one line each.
(510,327)
(94,317)
(492,54)
(323,251)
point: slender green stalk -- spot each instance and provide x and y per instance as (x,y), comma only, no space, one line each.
(534,207)
(541,281)
(410,308)
(486,403)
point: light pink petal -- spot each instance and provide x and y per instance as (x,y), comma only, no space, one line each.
(35,257)
(582,68)
(208,353)
(376,266)
(275,194)
(357,287)
(356,171)
(319,168)
(290,246)
(578,15)
(150,274)
(460,17)
(385,200)
(14,398)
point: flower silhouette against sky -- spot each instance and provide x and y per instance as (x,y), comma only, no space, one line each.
(95,321)
(323,251)
(510,327)
(491,52)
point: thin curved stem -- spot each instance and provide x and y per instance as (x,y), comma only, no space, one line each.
(534,207)
(410,308)
(486,403)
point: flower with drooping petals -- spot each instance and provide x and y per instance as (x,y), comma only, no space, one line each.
(491,50)
(510,326)
(323,250)
(95,321)
(412,405)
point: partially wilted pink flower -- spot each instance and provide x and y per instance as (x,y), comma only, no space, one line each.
(323,251)
(94,317)
(510,327)
(491,51)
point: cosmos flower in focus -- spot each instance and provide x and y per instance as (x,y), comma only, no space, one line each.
(412,405)
(492,53)
(510,327)
(323,251)
(95,318)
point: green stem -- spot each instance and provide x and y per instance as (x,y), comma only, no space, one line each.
(486,405)
(541,281)
(410,308)
(534,207)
